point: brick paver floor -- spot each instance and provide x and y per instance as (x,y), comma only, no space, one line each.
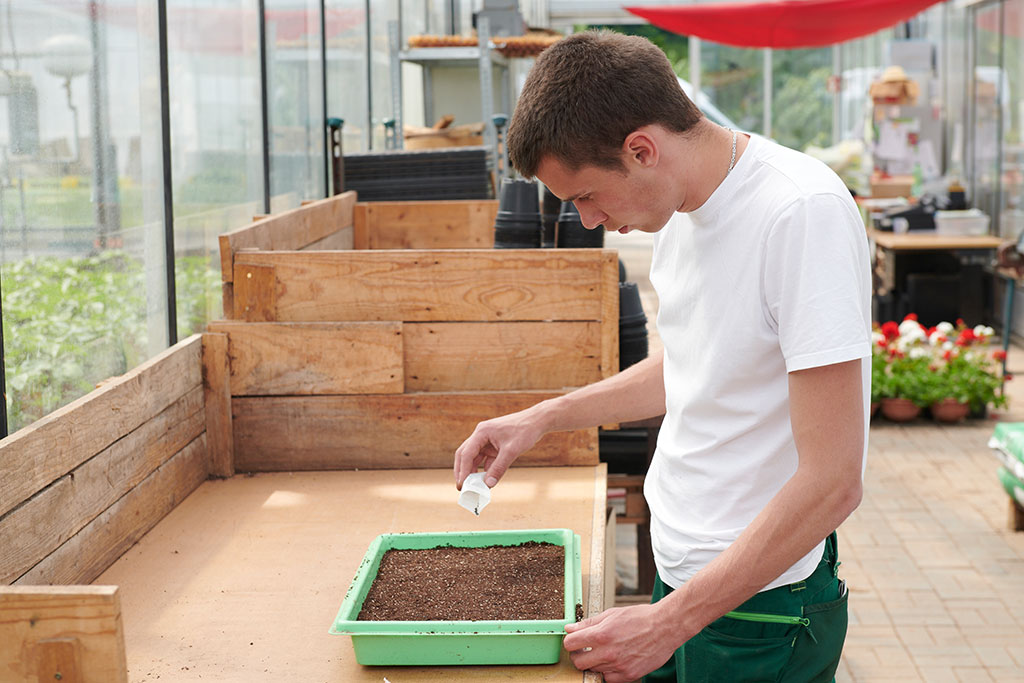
(936,577)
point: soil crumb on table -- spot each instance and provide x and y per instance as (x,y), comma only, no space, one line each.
(469,584)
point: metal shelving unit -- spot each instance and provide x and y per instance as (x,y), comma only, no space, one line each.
(484,60)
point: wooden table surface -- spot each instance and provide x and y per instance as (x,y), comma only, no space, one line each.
(242,581)
(927,240)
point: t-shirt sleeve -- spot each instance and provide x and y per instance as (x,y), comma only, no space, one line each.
(817,282)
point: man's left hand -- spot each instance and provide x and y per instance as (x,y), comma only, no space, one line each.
(624,643)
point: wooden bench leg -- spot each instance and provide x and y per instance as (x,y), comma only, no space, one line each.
(1016,516)
(644,558)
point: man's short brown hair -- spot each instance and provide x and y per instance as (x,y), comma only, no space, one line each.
(586,93)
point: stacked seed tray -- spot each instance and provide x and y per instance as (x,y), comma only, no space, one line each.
(404,175)
(1007,443)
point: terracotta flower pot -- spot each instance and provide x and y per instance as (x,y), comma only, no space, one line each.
(899,409)
(949,410)
(874,408)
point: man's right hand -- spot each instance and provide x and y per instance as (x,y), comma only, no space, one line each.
(495,444)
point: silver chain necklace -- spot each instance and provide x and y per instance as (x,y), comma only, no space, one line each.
(732,161)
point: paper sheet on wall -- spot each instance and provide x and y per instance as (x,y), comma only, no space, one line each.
(892,141)
(928,161)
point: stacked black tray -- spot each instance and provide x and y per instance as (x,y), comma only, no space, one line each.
(452,173)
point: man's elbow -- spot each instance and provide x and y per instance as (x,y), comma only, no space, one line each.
(850,493)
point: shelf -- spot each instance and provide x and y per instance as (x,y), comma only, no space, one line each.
(449,56)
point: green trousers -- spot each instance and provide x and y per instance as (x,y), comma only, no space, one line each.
(790,634)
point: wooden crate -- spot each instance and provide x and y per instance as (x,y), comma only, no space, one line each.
(340,223)
(374,391)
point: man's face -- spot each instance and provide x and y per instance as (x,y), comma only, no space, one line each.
(619,201)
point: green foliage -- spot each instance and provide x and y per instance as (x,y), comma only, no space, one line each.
(879,380)
(910,378)
(972,381)
(71,322)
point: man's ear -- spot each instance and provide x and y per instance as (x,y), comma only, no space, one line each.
(641,148)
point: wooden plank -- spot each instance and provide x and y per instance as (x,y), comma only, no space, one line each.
(427,285)
(342,239)
(375,432)
(31,531)
(326,217)
(255,292)
(452,224)
(501,356)
(926,241)
(239,581)
(1015,516)
(228,298)
(289,230)
(609,312)
(92,550)
(273,359)
(217,399)
(65,633)
(46,450)
(595,603)
(360,228)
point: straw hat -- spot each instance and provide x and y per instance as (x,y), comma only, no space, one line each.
(894,74)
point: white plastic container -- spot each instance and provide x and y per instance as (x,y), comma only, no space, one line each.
(969,222)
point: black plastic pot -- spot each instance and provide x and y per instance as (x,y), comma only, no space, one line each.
(570,233)
(518,223)
(551,205)
(632,326)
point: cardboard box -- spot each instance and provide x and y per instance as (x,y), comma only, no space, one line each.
(891,186)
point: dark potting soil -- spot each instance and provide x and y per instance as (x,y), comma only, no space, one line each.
(469,584)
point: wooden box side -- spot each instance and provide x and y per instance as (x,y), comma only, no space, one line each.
(69,633)
(66,476)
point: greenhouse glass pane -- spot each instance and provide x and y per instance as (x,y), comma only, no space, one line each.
(1011,214)
(82,265)
(732,79)
(381,13)
(990,97)
(216,142)
(801,102)
(347,82)
(295,93)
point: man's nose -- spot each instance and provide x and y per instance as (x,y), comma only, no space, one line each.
(591,218)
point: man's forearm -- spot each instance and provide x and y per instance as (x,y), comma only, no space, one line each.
(636,393)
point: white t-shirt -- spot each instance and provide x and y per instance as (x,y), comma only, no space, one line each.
(769,276)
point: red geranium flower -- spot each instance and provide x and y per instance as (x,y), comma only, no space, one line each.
(891,330)
(999,355)
(910,316)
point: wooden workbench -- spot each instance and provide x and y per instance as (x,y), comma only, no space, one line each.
(931,241)
(242,581)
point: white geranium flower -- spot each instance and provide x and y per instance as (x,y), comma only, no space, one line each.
(909,327)
(919,352)
(948,346)
(936,338)
(877,337)
(945,328)
(979,330)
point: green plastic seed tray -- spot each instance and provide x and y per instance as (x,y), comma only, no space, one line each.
(432,643)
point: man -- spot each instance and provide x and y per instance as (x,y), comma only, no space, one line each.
(764,314)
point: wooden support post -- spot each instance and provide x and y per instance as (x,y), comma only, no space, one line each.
(217,393)
(1016,516)
(255,297)
(71,634)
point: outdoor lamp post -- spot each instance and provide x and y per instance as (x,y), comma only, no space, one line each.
(67,56)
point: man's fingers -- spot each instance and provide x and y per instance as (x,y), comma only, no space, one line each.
(466,457)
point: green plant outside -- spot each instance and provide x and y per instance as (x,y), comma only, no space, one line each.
(71,322)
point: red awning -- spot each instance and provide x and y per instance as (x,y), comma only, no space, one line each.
(783,23)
